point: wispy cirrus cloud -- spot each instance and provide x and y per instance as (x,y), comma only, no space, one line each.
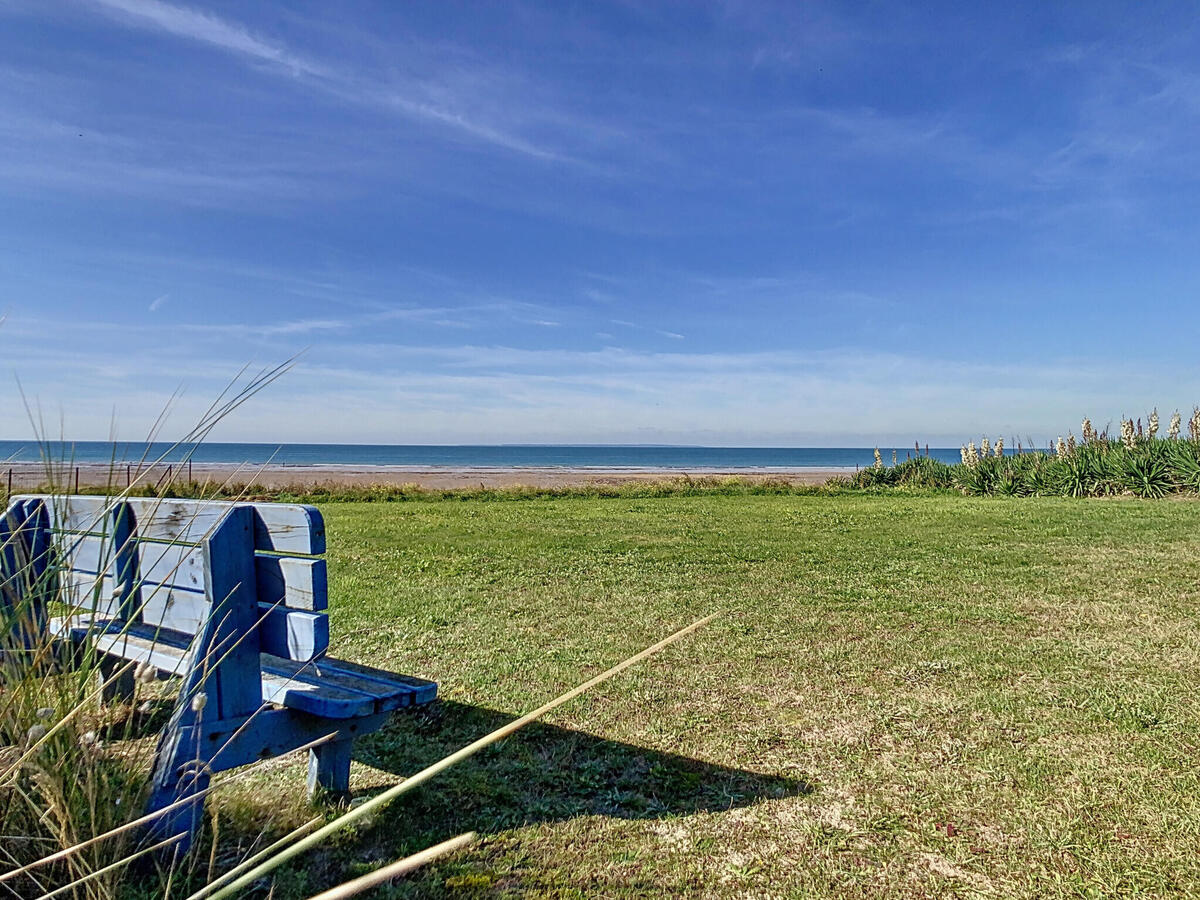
(209,29)
(232,37)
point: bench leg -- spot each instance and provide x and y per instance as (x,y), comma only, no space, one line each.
(329,768)
(115,685)
(179,773)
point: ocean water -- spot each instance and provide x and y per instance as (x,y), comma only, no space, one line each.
(614,456)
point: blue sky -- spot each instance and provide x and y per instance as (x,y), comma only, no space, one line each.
(725,223)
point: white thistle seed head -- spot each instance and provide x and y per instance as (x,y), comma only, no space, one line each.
(199,702)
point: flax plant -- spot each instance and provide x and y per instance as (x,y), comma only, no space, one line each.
(1140,463)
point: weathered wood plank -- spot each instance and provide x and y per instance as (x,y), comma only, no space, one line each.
(136,645)
(329,768)
(229,584)
(166,606)
(279,527)
(422,690)
(298,582)
(179,565)
(228,744)
(323,700)
(288,528)
(85,592)
(394,693)
(293,634)
(125,576)
(88,553)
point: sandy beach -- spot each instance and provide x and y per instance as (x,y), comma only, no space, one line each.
(28,475)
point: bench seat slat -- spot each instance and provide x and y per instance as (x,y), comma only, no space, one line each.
(157,650)
(332,688)
(387,691)
(423,690)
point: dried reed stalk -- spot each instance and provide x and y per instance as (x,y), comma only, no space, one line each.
(396,869)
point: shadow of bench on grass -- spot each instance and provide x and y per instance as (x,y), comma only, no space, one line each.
(543,773)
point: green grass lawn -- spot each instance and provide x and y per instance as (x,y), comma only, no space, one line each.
(903,696)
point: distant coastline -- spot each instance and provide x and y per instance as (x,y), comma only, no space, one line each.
(422,457)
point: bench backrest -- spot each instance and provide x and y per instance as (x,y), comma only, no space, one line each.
(154,561)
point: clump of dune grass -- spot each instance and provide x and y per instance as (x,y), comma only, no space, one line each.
(74,770)
(1137,463)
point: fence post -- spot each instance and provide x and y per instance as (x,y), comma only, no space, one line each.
(10,481)
(77,479)
(128,474)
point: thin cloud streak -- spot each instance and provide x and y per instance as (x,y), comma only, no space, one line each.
(233,38)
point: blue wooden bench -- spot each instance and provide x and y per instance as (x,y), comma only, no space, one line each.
(230,597)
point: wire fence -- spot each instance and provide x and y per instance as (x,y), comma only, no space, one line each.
(36,477)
